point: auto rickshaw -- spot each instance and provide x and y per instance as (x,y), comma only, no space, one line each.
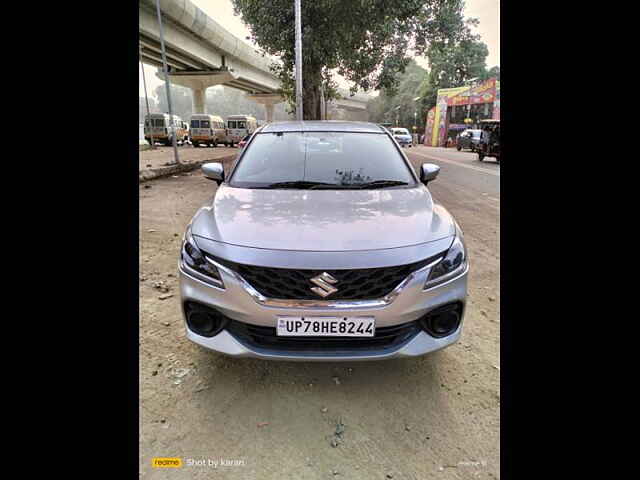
(489,145)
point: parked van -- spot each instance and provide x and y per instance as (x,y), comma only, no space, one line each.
(238,127)
(207,130)
(159,125)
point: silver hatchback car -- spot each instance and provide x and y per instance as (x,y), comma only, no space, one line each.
(321,245)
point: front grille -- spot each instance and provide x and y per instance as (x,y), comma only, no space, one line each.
(294,284)
(266,338)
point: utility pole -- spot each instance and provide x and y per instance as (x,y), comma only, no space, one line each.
(148,119)
(299,112)
(415,116)
(174,130)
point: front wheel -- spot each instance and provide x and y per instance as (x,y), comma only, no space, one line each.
(195,144)
(458,148)
(481,156)
(215,143)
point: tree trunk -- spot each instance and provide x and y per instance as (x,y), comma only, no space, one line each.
(311,81)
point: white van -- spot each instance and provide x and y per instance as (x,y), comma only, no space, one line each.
(206,130)
(158,125)
(238,127)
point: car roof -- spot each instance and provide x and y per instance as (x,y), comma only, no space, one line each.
(322,126)
(489,120)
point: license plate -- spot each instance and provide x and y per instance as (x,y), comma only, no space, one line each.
(326,326)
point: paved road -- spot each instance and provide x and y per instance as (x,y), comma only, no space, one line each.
(432,417)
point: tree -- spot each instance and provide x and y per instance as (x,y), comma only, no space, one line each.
(451,64)
(383,108)
(493,72)
(367,41)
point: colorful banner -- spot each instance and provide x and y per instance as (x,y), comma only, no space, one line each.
(437,128)
(483,93)
(429,128)
(496,103)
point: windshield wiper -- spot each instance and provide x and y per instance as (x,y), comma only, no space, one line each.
(296,184)
(380,184)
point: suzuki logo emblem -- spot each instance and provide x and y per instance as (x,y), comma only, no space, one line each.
(323,282)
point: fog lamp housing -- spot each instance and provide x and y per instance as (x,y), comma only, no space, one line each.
(442,321)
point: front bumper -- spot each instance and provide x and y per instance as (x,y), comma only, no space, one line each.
(239,302)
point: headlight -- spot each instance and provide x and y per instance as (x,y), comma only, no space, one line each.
(196,264)
(452,265)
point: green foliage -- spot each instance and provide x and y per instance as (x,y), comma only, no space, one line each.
(454,55)
(368,42)
(383,108)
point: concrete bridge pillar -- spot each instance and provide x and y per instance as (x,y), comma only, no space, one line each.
(198,82)
(268,100)
(269,108)
(198,100)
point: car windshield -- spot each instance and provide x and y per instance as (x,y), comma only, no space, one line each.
(400,131)
(321,160)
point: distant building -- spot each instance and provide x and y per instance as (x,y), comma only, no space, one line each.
(447,118)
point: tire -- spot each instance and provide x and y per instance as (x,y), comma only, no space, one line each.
(195,144)
(215,143)
(458,148)
(498,159)
(231,144)
(480,156)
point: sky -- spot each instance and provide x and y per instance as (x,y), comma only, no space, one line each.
(487,11)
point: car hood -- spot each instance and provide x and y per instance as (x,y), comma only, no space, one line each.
(323,220)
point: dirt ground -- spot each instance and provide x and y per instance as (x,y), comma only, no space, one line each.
(187,154)
(436,416)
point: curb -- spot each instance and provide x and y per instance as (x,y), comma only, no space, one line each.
(159,172)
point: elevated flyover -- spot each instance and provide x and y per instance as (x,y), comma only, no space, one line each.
(201,53)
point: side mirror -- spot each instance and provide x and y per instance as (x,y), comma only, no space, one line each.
(213,171)
(428,172)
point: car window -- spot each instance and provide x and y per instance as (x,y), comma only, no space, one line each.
(232,124)
(337,158)
(195,123)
